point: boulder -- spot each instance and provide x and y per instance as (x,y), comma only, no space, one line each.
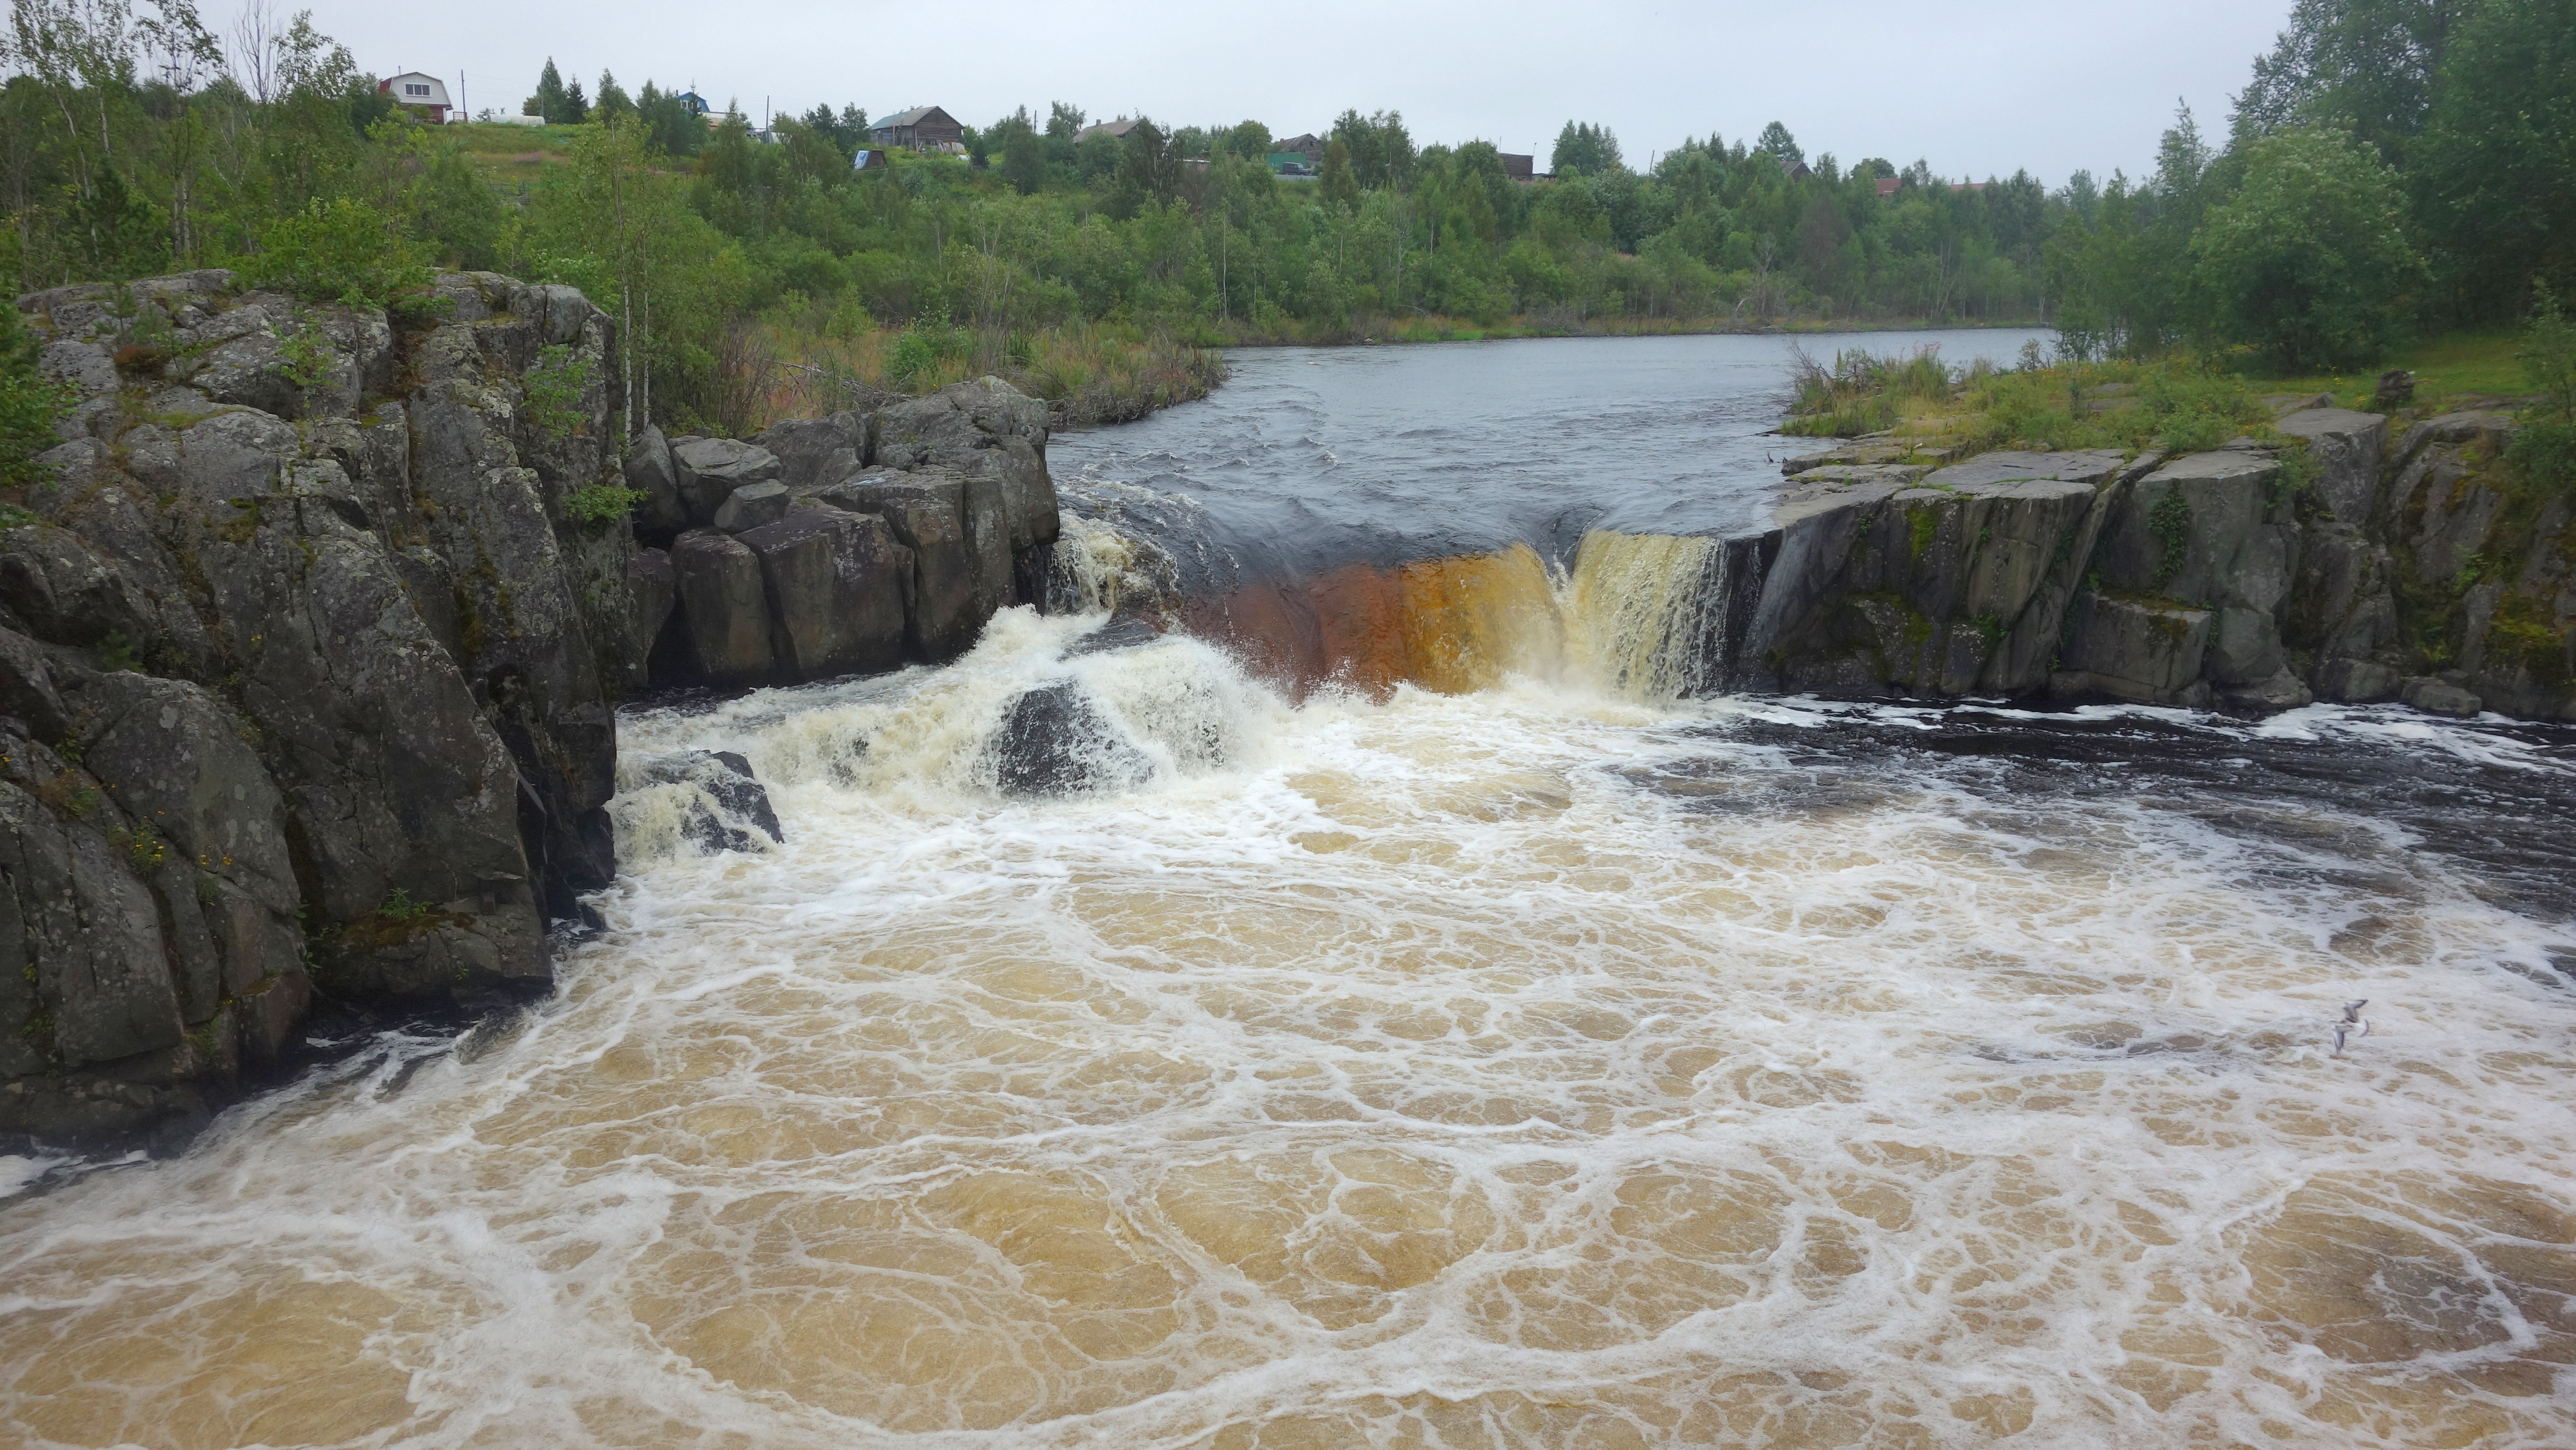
(651,472)
(982,428)
(652,589)
(836,587)
(726,803)
(708,470)
(2439,697)
(927,512)
(814,451)
(2352,681)
(724,606)
(751,506)
(1055,741)
(2346,446)
(2135,649)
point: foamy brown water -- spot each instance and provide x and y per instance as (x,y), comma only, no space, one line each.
(1515,1068)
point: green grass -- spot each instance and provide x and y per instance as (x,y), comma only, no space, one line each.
(2459,364)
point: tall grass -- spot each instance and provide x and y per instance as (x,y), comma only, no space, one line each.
(1863,392)
(801,361)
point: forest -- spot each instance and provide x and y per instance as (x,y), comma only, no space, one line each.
(2393,168)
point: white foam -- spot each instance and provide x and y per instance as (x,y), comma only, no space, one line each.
(1524,1068)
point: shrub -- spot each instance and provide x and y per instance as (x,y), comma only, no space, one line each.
(554,389)
(338,251)
(602,503)
(30,401)
(2544,449)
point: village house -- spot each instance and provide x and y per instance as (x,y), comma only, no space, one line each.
(421,94)
(1115,130)
(923,128)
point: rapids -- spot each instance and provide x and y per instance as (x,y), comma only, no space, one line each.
(1502,1050)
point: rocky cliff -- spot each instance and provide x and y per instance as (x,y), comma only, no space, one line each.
(2335,562)
(311,635)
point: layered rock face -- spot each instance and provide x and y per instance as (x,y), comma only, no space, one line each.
(849,543)
(308,676)
(2367,569)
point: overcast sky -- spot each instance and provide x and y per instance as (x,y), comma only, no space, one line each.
(1977,87)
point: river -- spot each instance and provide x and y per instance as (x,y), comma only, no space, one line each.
(1537,1060)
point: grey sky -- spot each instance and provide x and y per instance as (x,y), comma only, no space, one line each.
(1975,88)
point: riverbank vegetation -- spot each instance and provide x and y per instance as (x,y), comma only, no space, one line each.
(2358,201)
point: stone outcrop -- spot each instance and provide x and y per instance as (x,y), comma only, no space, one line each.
(306,677)
(2339,562)
(856,542)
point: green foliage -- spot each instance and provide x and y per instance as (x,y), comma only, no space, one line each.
(2494,173)
(554,389)
(602,503)
(116,652)
(307,353)
(398,905)
(927,346)
(2170,520)
(2548,354)
(2308,261)
(30,401)
(340,250)
(2544,447)
(143,848)
(1863,392)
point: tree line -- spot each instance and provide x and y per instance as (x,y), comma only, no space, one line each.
(2354,198)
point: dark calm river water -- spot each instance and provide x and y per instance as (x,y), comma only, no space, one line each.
(1390,453)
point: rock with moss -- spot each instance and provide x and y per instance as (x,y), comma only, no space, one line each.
(339,655)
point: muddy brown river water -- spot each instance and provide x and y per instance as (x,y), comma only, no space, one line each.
(1535,1060)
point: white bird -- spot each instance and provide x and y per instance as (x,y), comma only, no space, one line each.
(2352,1018)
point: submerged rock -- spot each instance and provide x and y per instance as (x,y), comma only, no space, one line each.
(1055,741)
(728,802)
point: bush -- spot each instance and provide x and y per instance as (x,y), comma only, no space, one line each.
(338,251)
(602,503)
(30,401)
(2308,261)
(925,347)
(554,390)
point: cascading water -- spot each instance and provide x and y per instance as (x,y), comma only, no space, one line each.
(1480,1040)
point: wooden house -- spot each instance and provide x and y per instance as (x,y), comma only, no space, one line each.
(421,94)
(923,128)
(1114,130)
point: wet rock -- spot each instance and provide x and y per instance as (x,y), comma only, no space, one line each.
(73,913)
(2282,690)
(1055,741)
(751,506)
(2356,682)
(725,607)
(1958,584)
(731,803)
(652,590)
(2439,697)
(2135,650)
(836,585)
(708,470)
(927,513)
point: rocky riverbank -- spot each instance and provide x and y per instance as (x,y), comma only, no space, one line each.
(311,637)
(2342,561)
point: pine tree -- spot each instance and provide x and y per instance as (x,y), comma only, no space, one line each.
(548,102)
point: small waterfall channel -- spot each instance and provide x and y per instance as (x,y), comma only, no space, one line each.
(1414,1004)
